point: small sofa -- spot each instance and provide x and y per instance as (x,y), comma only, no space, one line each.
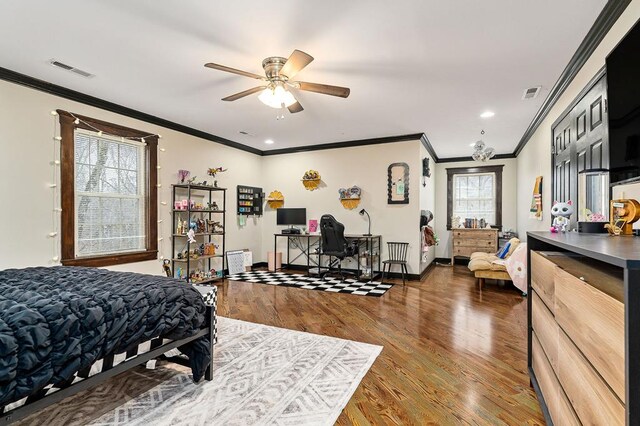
(490,266)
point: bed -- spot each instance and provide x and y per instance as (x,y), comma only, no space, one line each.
(66,329)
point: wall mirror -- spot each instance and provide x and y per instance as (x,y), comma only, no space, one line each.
(398,183)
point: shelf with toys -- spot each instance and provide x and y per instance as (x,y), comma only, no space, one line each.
(198,232)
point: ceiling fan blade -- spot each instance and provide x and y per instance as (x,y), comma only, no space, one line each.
(248,92)
(295,108)
(234,71)
(297,61)
(325,89)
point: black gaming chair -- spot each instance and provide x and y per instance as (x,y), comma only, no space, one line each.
(334,243)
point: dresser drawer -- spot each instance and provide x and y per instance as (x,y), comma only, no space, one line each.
(545,376)
(481,245)
(464,251)
(595,323)
(546,328)
(542,278)
(590,397)
(476,234)
(557,402)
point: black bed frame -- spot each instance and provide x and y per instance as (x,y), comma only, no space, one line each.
(35,406)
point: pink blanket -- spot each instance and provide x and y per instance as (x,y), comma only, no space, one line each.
(517,267)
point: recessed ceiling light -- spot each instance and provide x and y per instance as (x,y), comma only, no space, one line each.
(487,114)
(269,141)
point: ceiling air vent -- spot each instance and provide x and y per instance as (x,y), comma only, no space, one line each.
(531,92)
(69,68)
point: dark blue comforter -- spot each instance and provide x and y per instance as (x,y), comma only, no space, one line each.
(56,321)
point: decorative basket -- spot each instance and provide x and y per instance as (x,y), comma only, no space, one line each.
(311,184)
(275,200)
(350,203)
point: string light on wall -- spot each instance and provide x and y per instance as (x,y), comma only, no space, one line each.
(54,234)
(55,194)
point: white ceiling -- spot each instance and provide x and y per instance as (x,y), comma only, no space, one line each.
(412,65)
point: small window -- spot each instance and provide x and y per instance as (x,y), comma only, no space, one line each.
(474,196)
(476,193)
(108,180)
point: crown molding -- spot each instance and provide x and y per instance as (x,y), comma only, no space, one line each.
(609,15)
(63,92)
(345,144)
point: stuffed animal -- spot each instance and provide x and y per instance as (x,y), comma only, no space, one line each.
(561,213)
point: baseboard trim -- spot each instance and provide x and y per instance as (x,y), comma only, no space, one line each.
(426,270)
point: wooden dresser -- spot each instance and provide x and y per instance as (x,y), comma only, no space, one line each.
(466,241)
(579,285)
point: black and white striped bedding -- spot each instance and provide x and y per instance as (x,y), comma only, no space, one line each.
(38,304)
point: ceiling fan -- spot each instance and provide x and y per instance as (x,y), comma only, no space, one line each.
(277,82)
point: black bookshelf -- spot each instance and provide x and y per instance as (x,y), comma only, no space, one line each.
(203,197)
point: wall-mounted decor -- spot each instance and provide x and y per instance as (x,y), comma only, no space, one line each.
(350,197)
(275,200)
(311,180)
(426,171)
(249,200)
(398,183)
(535,212)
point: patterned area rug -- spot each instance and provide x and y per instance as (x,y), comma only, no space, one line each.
(330,284)
(263,375)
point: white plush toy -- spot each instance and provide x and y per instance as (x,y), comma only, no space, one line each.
(561,213)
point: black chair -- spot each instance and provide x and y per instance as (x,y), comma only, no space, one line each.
(397,256)
(334,243)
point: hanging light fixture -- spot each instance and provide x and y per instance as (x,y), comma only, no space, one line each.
(481,152)
(277,96)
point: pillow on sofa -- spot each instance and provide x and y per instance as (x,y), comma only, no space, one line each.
(502,253)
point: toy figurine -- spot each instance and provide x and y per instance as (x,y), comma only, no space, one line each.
(167,268)
(213,171)
(562,213)
(191,235)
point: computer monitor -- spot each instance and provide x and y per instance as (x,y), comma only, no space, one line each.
(290,217)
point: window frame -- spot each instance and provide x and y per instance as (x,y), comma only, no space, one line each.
(67,191)
(497,170)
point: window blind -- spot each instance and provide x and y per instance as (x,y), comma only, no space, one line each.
(474,196)
(109,195)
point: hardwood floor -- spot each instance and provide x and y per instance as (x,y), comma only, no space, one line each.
(452,354)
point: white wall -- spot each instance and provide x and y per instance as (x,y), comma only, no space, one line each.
(365,167)
(26,132)
(535,158)
(26,138)
(428,201)
(509,207)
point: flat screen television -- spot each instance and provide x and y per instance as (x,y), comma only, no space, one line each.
(290,217)
(623,87)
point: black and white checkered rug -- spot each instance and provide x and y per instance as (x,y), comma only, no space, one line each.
(333,285)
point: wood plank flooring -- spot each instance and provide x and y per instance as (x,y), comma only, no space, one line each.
(452,354)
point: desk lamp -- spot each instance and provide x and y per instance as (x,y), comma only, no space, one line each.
(362,213)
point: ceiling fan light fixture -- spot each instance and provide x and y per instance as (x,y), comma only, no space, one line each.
(276,96)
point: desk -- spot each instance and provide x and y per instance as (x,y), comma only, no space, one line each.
(372,245)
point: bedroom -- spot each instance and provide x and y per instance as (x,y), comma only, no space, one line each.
(390,125)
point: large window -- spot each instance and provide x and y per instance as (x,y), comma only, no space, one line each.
(108,176)
(109,195)
(475,192)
